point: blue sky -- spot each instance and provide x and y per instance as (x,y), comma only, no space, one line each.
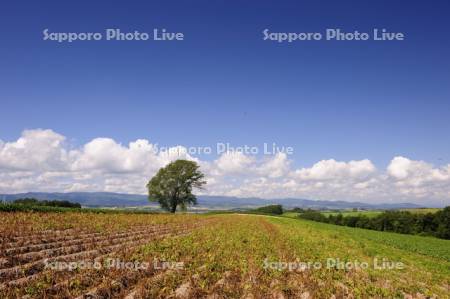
(223,83)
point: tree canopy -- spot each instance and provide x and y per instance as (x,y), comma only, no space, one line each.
(172,185)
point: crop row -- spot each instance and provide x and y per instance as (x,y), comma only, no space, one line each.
(22,269)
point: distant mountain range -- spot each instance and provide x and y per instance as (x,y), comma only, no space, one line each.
(108,199)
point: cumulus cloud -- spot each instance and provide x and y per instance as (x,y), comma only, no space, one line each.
(275,167)
(332,170)
(34,150)
(233,162)
(40,160)
(108,156)
(417,172)
(419,178)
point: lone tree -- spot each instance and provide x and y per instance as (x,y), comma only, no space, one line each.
(172,185)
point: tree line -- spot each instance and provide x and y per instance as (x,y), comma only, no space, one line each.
(270,210)
(404,222)
(47,203)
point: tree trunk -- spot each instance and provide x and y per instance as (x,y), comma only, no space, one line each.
(173,208)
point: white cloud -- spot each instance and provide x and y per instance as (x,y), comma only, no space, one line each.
(275,167)
(233,162)
(398,168)
(40,160)
(35,150)
(108,156)
(332,169)
(417,172)
(419,179)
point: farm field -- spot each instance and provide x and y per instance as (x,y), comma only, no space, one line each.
(212,256)
(354,213)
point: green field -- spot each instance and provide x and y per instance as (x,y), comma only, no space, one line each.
(354,213)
